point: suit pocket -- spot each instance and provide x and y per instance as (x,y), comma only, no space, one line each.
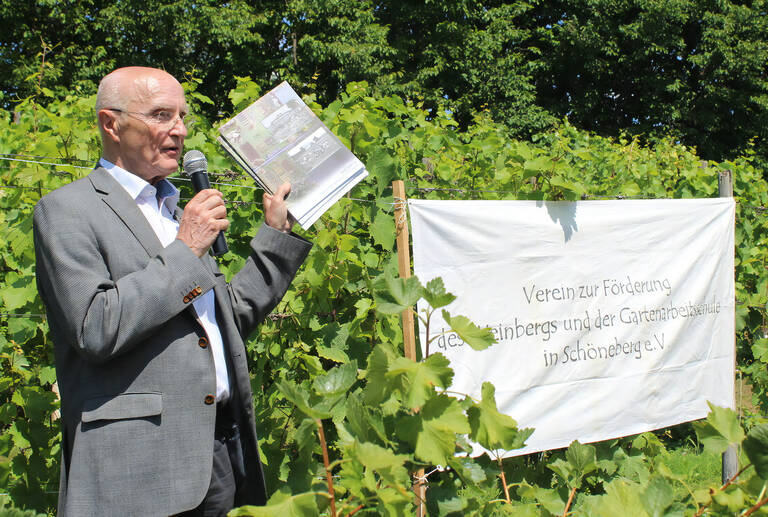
(123,406)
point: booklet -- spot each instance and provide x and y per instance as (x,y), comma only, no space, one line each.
(278,139)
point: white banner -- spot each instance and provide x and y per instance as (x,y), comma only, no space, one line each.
(612,317)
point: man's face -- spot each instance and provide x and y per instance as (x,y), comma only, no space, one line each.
(151,132)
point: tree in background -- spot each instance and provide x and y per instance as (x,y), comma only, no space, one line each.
(693,69)
(67,46)
(332,43)
(466,56)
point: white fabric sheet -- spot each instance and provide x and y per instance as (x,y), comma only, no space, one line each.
(612,317)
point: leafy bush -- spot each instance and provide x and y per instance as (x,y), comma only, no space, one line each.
(329,363)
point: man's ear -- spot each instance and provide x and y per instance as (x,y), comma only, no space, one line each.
(109,124)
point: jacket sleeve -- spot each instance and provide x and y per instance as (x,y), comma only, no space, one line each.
(257,288)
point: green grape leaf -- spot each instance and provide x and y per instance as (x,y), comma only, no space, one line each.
(733,500)
(657,497)
(435,294)
(536,166)
(432,431)
(476,337)
(385,462)
(760,349)
(582,457)
(337,381)
(417,380)
(377,388)
(548,498)
(720,429)
(365,422)
(16,297)
(492,429)
(383,230)
(621,498)
(468,469)
(300,398)
(559,181)
(305,436)
(18,437)
(47,375)
(8,412)
(332,354)
(393,295)
(363,307)
(445,501)
(756,448)
(282,504)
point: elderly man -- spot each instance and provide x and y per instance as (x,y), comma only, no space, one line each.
(156,404)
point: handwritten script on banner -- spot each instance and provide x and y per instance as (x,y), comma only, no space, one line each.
(612,317)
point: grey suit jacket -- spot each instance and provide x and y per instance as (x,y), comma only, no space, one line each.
(135,377)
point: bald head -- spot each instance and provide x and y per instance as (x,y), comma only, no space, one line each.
(140,114)
(124,86)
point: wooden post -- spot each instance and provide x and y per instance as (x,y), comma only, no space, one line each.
(404,262)
(409,337)
(730,465)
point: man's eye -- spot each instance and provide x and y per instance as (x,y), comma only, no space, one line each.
(163,116)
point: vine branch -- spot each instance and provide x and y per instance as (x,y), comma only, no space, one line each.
(326,462)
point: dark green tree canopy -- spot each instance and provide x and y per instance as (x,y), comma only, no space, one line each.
(693,69)
(697,70)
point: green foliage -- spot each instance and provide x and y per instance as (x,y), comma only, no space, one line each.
(690,69)
(719,430)
(491,429)
(330,357)
(56,48)
(693,69)
(282,504)
(29,444)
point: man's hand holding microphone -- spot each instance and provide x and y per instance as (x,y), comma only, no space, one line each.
(205,217)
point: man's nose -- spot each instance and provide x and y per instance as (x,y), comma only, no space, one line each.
(178,128)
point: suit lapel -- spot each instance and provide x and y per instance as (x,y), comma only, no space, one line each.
(116,197)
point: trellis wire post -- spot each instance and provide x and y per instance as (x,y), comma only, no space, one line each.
(409,337)
(730,464)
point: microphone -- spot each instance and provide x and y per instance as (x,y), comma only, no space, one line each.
(196,167)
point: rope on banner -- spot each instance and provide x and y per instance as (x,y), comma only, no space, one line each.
(423,479)
(401,208)
(760,209)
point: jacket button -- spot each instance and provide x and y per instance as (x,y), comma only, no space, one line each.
(209,399)
(203,342)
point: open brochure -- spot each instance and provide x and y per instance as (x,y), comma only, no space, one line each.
(278,139)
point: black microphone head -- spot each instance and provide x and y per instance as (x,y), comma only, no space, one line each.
(194,161)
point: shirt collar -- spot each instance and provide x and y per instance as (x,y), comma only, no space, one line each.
(138,188)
